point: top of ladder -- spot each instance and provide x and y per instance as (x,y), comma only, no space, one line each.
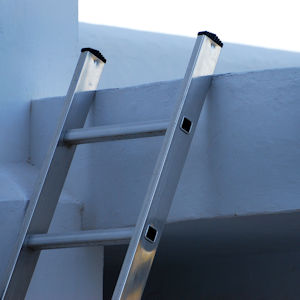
(212,36)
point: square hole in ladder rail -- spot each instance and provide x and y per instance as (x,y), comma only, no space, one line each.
(186,125)
(151,234)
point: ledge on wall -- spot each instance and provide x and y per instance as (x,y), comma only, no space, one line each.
(244,158)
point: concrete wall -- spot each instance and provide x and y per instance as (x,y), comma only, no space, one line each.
(80,269)
(244,158)
(39,49)
(37,57)
(38,53)
(260,276)
(244,161)
(138,57)
(248,257)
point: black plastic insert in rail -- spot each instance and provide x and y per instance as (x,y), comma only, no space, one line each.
(212,36)
(95,52)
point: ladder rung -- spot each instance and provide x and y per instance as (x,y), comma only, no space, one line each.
(115,132)
(104,237)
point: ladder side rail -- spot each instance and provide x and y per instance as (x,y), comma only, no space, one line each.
(51,179)
(158,200)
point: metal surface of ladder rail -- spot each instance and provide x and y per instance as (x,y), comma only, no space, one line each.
(51,179)
(169,165)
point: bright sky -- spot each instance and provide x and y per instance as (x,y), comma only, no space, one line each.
(271,24)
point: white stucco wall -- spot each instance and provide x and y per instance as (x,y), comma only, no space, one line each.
(37,53)
(40,46)
(243,165)
(244,157)
(138,57)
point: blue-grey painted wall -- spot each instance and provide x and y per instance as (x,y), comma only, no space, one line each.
(243,163)
(138,57)
(37,54)
(244,158)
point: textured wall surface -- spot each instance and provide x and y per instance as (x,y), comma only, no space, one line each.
(243,163)
(38,53)
(37,58)
(40,46)
(138,57)
(79,270)
(244,157)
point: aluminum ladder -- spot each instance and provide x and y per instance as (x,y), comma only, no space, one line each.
(144,238)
